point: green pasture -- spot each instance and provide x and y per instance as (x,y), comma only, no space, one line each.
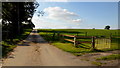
(84,32)
(84,47)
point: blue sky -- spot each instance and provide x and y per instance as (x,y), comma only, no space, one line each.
(77,15)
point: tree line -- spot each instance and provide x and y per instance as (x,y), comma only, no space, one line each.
(16,16)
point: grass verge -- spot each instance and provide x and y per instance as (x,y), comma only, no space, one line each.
(110,57)
(97,63)
(6,48)
(8,45)
(68,47)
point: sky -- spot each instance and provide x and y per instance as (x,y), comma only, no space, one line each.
(76,15)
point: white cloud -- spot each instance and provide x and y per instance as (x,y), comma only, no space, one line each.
(58,13)
(46,24)
(57,17)
(77,20)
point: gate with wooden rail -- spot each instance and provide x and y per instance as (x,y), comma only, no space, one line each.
(98,43)
(80,37)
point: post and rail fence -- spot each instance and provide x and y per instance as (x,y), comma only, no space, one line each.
(80,37)
(102,42)
(96,42)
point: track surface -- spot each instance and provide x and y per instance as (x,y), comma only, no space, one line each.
(35,51)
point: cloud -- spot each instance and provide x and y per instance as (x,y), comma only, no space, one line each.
(57,17)
(77,20)
(46,24)
(58,13)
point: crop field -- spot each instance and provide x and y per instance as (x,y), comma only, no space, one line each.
(51,35)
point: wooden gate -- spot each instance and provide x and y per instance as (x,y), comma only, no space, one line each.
(102,43)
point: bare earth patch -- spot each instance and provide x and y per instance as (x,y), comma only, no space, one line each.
(91,57)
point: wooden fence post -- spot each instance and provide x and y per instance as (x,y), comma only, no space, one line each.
(61,38)
(53,36)
(85,33)
(93,43)
(77,34)
(58,35)
(110,35)
(75,40)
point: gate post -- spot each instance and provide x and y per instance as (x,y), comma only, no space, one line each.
(85,33)
(93,43)
(53,37)
(58,35)
(75,40)
(61,38)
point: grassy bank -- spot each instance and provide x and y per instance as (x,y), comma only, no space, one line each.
(110,57)
(8,45)
(82,48)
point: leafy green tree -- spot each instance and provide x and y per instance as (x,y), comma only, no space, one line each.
(13,14)
(107,27)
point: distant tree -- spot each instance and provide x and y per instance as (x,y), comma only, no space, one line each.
(107,27)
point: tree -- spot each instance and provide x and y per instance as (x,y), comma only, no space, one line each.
(14,13)
(107,27)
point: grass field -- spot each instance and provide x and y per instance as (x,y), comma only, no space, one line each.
(84,47)
(85,32)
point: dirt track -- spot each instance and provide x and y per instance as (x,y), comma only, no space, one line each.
(35,51)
